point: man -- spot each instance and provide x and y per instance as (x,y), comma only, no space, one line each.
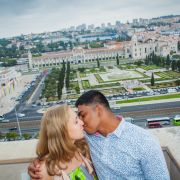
(119,150)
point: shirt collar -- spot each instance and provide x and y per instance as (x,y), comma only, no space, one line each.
(118,131)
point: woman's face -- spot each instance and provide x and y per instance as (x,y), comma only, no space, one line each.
(75,126)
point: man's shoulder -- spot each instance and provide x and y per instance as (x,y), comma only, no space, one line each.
(137,132)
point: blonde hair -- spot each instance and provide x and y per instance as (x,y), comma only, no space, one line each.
(54,144)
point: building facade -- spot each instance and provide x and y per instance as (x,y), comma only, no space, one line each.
(134,49)
(140,49)
(76,56)
(9,78)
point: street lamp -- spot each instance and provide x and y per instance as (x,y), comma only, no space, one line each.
(19,128)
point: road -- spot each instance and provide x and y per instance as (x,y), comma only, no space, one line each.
(140,113)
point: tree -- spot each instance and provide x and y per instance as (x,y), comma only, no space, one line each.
(9,62)
(178,65)
(178,45)
(26,136)
(67,75)
(147,60)
(117,59)
(98,63)
(173,65)
(11,135)
(138,63)
(152,79)
(162,61)
(168,62)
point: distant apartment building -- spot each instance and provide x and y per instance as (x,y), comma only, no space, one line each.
(9,78)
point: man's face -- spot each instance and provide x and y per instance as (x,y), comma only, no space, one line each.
(88,114)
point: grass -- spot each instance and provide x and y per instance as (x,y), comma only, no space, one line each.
(74,84)
(124,67)
(144,75)
(86,84)
(168,74)
(97,70)
(151,67)
(106,85)
(98,77)
(169,96)
(82,75)
(73,75)
(165,84)
(138,89)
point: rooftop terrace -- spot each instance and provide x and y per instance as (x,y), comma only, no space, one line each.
(16,155)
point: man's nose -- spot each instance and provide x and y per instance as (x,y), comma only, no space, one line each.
(82,123)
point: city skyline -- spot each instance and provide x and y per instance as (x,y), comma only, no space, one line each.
(37,16)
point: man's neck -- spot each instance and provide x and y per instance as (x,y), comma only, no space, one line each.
(109,124)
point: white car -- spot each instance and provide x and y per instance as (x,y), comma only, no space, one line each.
(20,115)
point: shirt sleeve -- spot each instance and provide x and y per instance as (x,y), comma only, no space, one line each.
(153,163)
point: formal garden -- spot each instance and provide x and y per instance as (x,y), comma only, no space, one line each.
(114,78)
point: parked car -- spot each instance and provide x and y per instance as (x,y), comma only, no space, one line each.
(20,115)
(13,129)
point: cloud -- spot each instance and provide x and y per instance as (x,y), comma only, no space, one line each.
(25,16)
(16,7)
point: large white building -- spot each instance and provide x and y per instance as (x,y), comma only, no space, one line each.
(139,49)
(76,56)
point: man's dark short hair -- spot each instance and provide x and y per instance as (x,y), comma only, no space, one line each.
(92,97)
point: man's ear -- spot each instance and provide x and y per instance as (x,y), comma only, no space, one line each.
(99,109)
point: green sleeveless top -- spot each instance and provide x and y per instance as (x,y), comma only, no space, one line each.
(81,173)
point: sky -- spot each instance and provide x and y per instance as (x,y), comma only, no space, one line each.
(36,16)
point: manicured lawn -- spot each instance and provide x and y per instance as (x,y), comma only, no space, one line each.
(169,96)
(82,75)
(151,67)
(85,84)
(168,74)
(106,85)
(73,75)
(124,67)
(98,77)
(165,84)
(138,89)
(97,70)
(73,84)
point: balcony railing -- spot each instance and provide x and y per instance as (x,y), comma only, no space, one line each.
(16,155)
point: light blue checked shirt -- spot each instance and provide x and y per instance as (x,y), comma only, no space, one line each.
(130,152)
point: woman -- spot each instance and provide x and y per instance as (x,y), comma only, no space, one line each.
(61,149)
